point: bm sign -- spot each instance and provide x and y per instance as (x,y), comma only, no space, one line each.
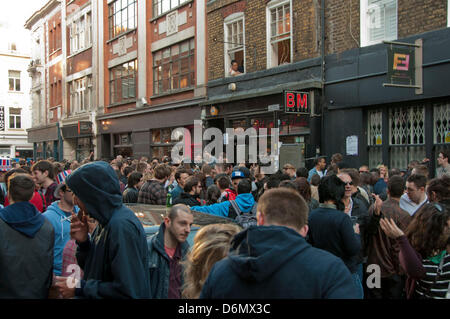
(296,102)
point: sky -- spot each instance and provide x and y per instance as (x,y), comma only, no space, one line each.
(15,13)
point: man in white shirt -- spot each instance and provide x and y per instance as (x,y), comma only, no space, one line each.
(415,196)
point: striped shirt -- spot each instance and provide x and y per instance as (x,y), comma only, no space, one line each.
(438,289)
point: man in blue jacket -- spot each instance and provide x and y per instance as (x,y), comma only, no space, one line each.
(58,214)
(273,260)
(244,201)
(115,258)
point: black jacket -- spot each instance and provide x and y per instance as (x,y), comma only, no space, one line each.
(115,259)
(26,252)
(277,262)
(159,264)
(188,199)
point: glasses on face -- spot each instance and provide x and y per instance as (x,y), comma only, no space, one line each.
(348,183)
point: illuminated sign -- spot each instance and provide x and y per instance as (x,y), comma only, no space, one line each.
(296,102)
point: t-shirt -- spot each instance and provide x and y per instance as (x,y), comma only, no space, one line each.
(170,251)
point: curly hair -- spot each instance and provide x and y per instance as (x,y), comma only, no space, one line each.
(211,244)
(428,231)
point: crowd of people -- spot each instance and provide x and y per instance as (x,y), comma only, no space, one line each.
(66,231)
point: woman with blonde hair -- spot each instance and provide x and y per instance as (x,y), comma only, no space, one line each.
(211,244)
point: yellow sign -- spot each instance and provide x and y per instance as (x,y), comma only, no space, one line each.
(379,140)
(447,137)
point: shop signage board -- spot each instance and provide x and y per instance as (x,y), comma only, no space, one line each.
(297,102)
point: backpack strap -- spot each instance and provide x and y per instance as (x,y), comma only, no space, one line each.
(234,210)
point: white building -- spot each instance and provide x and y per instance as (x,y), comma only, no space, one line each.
(15,86)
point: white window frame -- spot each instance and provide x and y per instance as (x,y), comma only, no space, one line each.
(80,91)
(15,80)
(365,25)
(80,32)
(15,116)
(448,13)
(235,17)
(270,54)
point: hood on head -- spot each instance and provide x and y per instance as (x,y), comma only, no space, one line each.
(97,186)
(257,252)
(23,217)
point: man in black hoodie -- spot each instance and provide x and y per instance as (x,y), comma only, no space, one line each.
(115,258)
(273,259)
(26,244)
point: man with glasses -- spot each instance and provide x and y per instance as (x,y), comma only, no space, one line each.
(58,214)
(444,166)
(191,195)
(415,196)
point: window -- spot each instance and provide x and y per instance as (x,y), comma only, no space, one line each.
(279,24)
(407,135)
(173,67)
(122,17)
(162,6)
(378,21)
(14,117)
(441,125)
(122,83)
(234,42)
(14,80)
(80,33)
(12,46)
(80,94)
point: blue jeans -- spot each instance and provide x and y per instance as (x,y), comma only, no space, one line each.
(357,278)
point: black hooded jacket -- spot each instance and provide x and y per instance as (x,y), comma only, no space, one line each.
(277,262)
(115,259)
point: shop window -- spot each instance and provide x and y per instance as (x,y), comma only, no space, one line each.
(234,43)
(279,28)
(122,82)
(406,135)
(15,117)
(122,17)
(174,67)
(14,80)
(378,21)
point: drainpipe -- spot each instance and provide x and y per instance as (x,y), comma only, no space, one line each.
(322,29)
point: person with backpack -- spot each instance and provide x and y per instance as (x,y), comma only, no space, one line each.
(242,209)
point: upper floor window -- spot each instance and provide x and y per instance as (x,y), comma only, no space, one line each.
(80,33)
(12,46)
(234,44)
(279,46)
(14,80)
(174,67)
(378,21)
(14,117)
(122,17)
(80,94)
(122,82)
(162,6)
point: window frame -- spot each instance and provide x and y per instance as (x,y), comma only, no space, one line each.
(274,4)
(158,84)
(364,19)
(113,89)
(157,6)
(80,33)
(15,117)
(234,18)
(16,80)
(113,13)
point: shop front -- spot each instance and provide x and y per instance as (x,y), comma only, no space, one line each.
(146,131)
(46,141)
(78,139)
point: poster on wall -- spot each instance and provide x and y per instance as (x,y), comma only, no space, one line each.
(2,118)
(352,145)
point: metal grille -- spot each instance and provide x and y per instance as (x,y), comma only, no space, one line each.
(402,155)
(441,123)
(375,156)
(375,127)
(407,126)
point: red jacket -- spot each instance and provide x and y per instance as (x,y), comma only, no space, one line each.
(37,200)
